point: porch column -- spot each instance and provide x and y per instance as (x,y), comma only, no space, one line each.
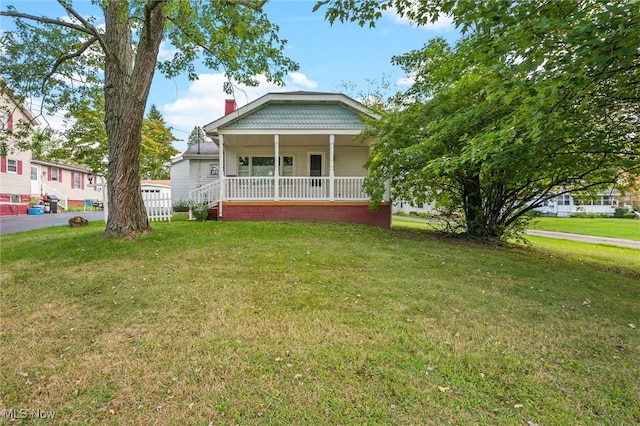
(221,177)
(332,140)
(276,170)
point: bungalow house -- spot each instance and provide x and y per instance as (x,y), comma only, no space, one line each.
(291,156)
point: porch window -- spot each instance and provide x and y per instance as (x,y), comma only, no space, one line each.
(264,166)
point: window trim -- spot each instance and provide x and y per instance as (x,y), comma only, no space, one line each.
(15,165)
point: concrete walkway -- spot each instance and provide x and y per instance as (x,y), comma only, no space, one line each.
(586,238)
(593,239)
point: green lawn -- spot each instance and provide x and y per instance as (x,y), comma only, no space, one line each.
(603,227)
(284,323)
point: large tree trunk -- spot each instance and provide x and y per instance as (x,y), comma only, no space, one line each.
(472,204)
(127,84)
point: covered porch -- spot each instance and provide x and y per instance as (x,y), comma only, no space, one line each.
(292,156)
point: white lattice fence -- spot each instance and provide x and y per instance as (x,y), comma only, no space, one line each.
(158,206)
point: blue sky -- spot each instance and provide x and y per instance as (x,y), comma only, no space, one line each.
(329,56)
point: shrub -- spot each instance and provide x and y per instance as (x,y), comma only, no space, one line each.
(630,215)
(620,212)
(199,210)
(181,206)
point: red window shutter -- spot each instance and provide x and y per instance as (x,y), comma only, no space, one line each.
(82,181)
(3,165)
(49,173)
(73,179)
(10,123)
(60,175)
(19,167)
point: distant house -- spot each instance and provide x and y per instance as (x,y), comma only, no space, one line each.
(160,187)
(285,156)
(24,179)
(196,167)
(565,205)
(15,183)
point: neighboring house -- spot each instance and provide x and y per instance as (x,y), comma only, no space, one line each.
(15,180)
(198,166)
(410,208)
(69,183)
(288,156)
(566,205)
(161,188)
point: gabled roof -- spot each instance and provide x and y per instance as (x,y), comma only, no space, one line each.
(294,111)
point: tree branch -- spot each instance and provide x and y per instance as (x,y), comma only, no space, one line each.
(87,25)
(68,56)
(46,20)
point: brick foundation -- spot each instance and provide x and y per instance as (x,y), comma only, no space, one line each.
(308,212)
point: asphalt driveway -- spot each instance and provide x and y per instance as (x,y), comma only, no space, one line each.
(25,222)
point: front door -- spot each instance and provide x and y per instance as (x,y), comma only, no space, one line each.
(35,180)
(315,168)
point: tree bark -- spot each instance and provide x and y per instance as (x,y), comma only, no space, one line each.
(127,85)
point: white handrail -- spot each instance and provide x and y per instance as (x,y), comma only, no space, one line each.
(295,188)
(209,193)
(63,200)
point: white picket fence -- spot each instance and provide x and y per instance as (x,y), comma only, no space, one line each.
(158,205)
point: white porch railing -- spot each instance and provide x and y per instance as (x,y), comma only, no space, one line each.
(63,200)
(209,193)
(295,188)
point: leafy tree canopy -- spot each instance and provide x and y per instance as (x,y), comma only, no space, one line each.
(535,99)
(62,60)
(196,135)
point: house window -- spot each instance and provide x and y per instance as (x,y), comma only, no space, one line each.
(3,120)
(15,198)
(243,166)
(564,200)
(54,173)
(287,166)
(213,170)
(12,165)
(264,166)
(77,180)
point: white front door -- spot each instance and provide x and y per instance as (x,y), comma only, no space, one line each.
(36,180)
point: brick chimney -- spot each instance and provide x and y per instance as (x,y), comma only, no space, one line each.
(229,106)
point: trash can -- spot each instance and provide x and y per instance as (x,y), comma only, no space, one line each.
(53,203)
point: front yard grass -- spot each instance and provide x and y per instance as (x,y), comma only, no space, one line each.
(602,227)
(290,323)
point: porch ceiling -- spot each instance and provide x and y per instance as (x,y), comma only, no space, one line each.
(256,140)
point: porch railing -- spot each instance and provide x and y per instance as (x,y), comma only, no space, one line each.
(63,200)
(209,193)
(295,188)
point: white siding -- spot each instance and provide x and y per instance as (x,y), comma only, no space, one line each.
(180,181)
(14,183)
(200,173)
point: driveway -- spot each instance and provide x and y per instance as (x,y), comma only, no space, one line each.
(586,238)
(27,222)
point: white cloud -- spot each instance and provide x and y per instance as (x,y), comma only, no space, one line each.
(166,52)
(444,23)
(204,100)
